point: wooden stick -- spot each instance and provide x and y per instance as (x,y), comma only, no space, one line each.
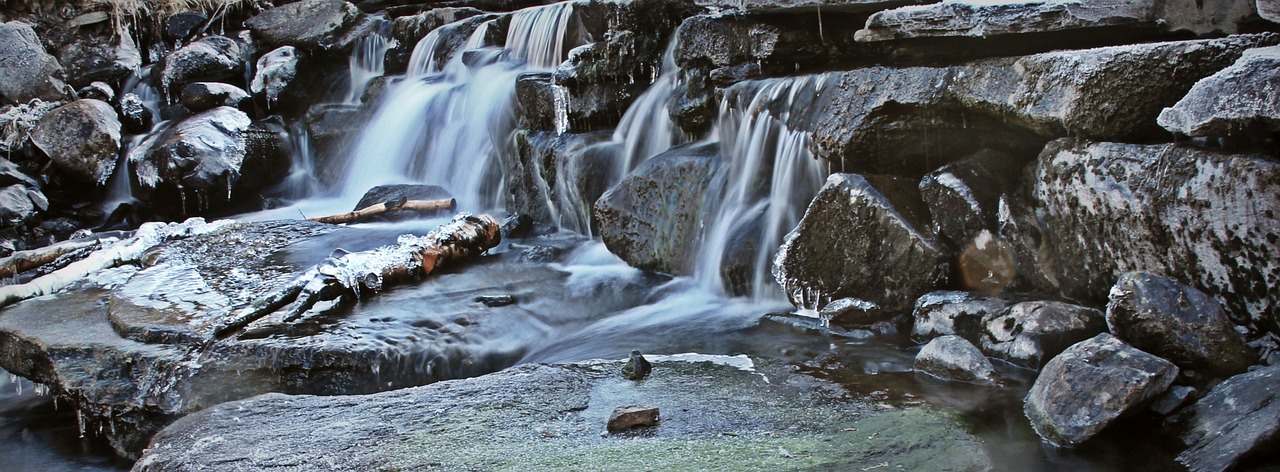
(447,204)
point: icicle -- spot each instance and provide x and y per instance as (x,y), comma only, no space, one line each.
(80,421)
(560,96)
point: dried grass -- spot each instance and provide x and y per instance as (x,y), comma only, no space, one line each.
(126,12)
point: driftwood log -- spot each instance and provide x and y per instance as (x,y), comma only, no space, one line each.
(23,261)
(423,206)
(347,276)
(112,254)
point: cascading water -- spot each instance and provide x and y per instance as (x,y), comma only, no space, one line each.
(119,187)
(647,129)
(367,60)
(448,127)
(767,178)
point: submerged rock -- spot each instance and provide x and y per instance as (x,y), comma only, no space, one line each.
(1208,218)
(633,416)
(651,218)
(487,422)
(1177,322)
(1237,101)
(82,138)
(951,357)
(1090,386)
(888,261)
(1237,420)
(1031,333)
(26,70)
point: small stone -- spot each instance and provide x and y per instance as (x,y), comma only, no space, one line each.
(632,416)
(1177,396)
(951,357)
(494,301)
(852,312)
(637,367)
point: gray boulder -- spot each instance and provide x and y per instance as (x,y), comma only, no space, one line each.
(651,219)
(1090,386)
(386,193)
(333,128)
(1239,100)
(1269,10)
(202,162)
(1177,322)
(82,138)
(90,58)
(983,19)
(11,174)
(889,260)
(951,312)
(203,96)
(275,71)
(16,206)
(26,70)
(210,59)
(953,358)
(853,312)
(1208,218)
(1238,419)
(1028,334)
(307,25)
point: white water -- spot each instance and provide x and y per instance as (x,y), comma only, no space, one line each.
(119,187)
(367,62)
(768,176)
(647,129)
(450,126)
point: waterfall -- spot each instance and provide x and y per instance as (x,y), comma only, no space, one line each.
(647,129)
(447,125)
(367,61)
(768,176)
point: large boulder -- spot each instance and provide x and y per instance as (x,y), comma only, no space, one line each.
(1177,322)
(908,121)
(26,70)
(1269,10)
(951,357)
(208,158)
(307,25)
(651,219)
(986,18)
(1028,334)
(890,260)
(105,58)
(1208,218)
(1239,100)
(1237,420)
(210,59)
(82,138)
(333,129)
(1090,386)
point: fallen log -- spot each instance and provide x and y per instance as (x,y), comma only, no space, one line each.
(347,276)
(392,206)
(23,261)
(117,253)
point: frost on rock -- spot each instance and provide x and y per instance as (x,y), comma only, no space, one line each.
(276,70)
(17,121)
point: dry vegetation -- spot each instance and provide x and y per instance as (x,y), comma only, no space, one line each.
(124,12)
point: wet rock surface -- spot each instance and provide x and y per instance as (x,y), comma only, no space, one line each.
(1237,101)
(1238,419)
(1177,322)
(209,59)
(954,312)
(1091,385)
(650,219)
(82,138)
(551,416)
(890,261)
(1143,206)
(203,96)
(1029,334)
(951,357)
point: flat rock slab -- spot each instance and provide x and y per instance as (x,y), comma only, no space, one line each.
(1239,100)
(1238,418)
(548,417)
